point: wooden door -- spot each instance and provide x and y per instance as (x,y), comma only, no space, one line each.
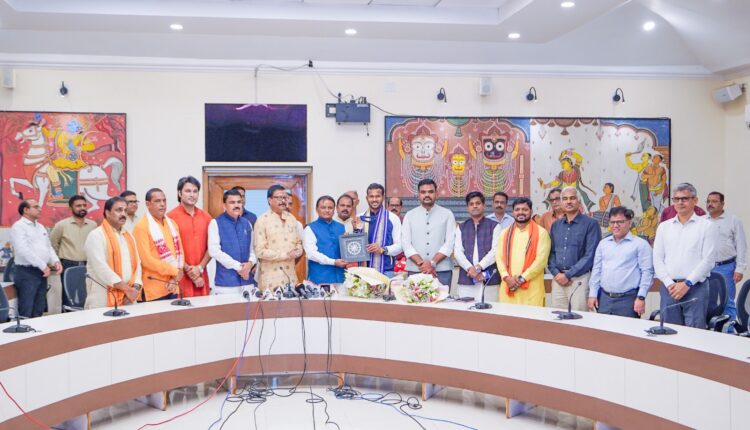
(256,181)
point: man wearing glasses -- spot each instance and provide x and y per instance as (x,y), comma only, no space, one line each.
(683,259)
(556,211)
(623,271)
(131,200)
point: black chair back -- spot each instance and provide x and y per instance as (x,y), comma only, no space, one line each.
(717,295)
(75,285)
(9,269)
(743,305)
(4,306)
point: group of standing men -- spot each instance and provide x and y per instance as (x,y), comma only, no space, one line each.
(166,253)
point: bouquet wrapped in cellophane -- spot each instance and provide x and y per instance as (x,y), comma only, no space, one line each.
(365,282)
(421,288)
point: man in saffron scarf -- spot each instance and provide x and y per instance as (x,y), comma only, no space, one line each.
(521,258)
(112,259)
(160,249)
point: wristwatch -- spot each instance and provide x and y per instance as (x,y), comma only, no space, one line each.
(689,283)
(432,263)
(521,279)
(641,298)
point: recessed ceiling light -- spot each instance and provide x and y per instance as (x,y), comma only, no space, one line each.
(568,4)
(649,25)
(176,27)
(350,31)
(514,35)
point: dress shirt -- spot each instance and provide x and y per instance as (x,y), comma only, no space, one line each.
(31,244)
(459,253)
(731,241)
(310,244)
(573,245)
(670,212)
(427,233)
(504,223)
(214,249)
(684,251)
(130,223)
(622,266)
(68,238)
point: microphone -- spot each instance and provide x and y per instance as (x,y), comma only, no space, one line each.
(389,296)
(180,300)
(660,329)
(18,328)
(288,291)
(300,291)
(482,305)
(246,295)
(312,290)
(116,312)
(278,293)
(569,315)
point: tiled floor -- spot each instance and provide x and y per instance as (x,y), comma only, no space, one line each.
(295,410)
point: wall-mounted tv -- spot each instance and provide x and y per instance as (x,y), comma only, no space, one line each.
(256,132)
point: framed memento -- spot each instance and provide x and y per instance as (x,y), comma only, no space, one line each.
(354,247)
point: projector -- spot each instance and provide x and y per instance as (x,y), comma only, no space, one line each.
(728,93)
(349,112)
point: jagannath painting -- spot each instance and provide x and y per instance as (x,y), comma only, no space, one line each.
(610,161)
(51,156)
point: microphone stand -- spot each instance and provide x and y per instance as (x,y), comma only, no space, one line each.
(18,328)
(660,329)
(180,300)
(483,305)
(288,291)
(569,315)
(116,312)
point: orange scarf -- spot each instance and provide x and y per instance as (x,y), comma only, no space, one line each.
(506,251)
(114,260)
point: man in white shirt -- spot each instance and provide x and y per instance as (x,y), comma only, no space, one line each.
(683,259)
(731,248)
(321,243)
(33,256)
(131,199)
(499,203)
(427,235)
(112,259)
(475,249)
(230,244)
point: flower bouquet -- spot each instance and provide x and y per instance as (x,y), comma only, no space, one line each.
(365,282)
(421,288)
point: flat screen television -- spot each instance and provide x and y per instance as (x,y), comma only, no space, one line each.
(256,132)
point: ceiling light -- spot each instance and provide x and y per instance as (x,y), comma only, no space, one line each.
(568,4)
(514,35)
(176,27)
(350,31)
(649,25)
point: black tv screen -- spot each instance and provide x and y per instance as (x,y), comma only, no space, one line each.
(256,132)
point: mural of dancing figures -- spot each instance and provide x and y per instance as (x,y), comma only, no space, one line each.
(51,156)
(461,154)
(610,162)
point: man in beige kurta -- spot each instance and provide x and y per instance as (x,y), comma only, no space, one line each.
(276,242)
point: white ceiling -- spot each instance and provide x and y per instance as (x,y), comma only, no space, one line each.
(691,38)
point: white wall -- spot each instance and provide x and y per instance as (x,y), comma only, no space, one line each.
(737,155)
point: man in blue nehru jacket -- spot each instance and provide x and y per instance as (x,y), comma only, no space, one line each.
(230,244)
(321,243)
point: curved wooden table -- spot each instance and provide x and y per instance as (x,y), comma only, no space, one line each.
(600,367)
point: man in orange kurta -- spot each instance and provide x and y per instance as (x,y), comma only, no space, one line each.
(193,224)
(159,248)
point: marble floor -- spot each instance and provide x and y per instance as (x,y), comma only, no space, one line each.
(371,404)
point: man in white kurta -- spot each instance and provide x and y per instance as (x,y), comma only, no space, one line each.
(125,286)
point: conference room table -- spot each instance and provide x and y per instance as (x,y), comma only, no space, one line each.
(601,367)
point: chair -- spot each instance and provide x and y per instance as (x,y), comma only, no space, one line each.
(9,269)
(4,306)
(75,287)
(742,324)
(717,302)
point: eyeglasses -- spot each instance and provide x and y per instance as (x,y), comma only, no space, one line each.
(618,222)
(681,199)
